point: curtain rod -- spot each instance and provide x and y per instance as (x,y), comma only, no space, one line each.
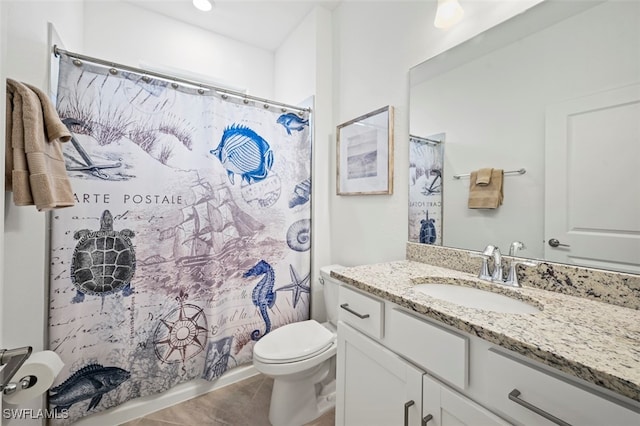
(425,140)
(225,92)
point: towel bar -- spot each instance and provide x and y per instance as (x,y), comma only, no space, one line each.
(508,172)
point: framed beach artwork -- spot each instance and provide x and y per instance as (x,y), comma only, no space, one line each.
(365,154)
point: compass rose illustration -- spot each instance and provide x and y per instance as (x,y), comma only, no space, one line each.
(182,333)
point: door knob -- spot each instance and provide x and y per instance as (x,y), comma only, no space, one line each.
(555,243)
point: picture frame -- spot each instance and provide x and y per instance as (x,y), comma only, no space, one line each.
(364,151)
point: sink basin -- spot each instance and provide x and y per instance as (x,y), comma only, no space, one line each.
(475,298)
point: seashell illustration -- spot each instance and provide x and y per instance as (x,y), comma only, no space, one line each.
(299,235)
(301,193)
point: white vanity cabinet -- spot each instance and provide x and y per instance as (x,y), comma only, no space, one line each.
(397,367)
(442,406)
(384,385)
(375,387)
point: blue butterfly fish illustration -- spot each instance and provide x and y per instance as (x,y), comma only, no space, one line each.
(291,121)
(90,382)
(263,295)
(242,151)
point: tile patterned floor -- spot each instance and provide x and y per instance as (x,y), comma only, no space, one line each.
(245,403)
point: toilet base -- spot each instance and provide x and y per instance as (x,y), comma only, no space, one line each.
(302,390)
(296,402)
(308,405)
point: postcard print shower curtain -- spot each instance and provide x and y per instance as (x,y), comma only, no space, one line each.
(189,240)
(425,188)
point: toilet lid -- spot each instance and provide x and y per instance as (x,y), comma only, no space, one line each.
(293,342)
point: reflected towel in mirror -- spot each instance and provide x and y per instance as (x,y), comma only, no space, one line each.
(486,193)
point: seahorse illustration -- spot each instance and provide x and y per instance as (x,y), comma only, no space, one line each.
(263,295)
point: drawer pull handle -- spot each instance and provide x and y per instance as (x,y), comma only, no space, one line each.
(407,405)
(513,396)
(346,307)
(426,420)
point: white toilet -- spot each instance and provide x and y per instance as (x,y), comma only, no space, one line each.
(300,357)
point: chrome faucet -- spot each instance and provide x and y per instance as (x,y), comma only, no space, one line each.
(515,246)
(497,276)
(484,269)
(512,277)
(490,252)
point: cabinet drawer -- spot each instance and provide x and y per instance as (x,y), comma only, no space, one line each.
(440,351)
(361,311)
(553,394)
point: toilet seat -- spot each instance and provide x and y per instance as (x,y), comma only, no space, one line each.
(293,342)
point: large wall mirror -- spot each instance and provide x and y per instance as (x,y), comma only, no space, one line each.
(555,91)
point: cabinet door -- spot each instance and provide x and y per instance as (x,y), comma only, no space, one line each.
(448,408)
(374,384)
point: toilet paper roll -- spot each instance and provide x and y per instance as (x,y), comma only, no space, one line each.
(45,366)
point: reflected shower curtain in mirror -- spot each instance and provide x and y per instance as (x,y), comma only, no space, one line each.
(425,188)
(189,240)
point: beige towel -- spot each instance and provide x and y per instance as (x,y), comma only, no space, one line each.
(484,176)
(33,153)
(8,149)
(486,196)
(54,127)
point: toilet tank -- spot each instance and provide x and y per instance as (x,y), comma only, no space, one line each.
(330,290)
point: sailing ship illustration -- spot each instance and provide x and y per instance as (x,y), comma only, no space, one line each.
(211,225)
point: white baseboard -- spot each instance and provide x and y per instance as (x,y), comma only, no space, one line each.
(140,407)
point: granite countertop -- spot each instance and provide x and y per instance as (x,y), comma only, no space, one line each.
(595,341)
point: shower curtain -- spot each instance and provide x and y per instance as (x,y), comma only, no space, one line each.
(189,240)
(426,159)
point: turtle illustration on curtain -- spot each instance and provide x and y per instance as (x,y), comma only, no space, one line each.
(189,240)
(104,261)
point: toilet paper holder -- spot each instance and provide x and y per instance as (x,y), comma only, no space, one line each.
(13,358)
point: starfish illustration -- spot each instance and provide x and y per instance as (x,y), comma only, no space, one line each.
(297,285)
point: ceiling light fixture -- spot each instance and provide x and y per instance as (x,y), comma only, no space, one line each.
(448,14)
(203,5)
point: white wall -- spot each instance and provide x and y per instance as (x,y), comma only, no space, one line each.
(375,44)
(24,31)
(27,59)
(303,69)
(127,34)
(497,118)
